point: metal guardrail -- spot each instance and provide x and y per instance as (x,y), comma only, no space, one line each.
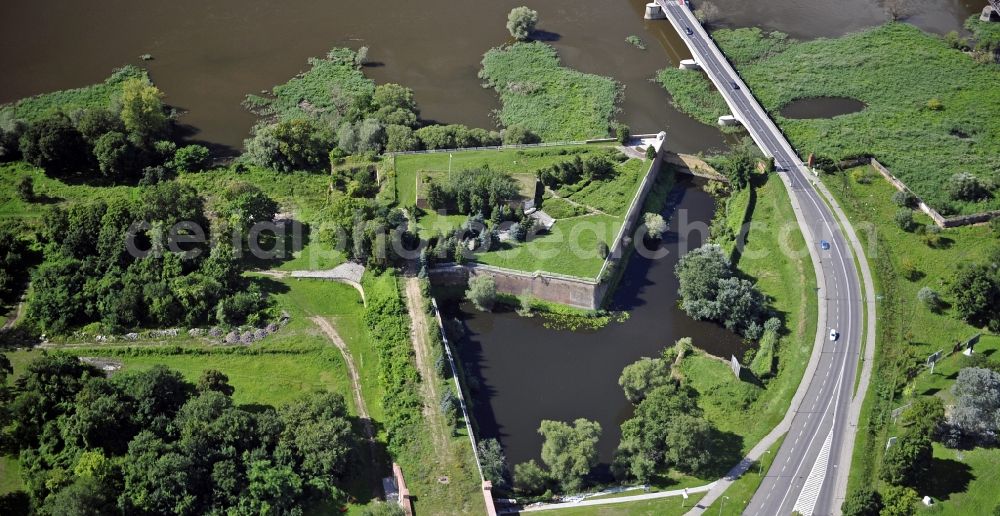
(505,147)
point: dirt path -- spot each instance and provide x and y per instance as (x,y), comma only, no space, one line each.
(352,370)
(16,316)
(590,209)
(422,351)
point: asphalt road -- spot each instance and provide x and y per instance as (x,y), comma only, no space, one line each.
(802,476)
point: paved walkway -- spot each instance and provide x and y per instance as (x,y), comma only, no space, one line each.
(349,273)
(620,499)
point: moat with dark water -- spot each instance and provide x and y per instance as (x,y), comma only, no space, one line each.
(207,56)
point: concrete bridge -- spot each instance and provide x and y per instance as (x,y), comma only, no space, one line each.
(809,471)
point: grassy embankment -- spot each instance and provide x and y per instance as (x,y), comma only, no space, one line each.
(554,102)
(99,95)
(743,408)
(607,201)
(897,71)
(907,332)
(672,506)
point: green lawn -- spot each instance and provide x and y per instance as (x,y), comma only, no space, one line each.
(895,69)
(549,252)
(907,332)
(743,408)
(693,93)
(971,476)
(554,102)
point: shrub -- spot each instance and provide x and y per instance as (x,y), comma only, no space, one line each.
(517,135)
(602,249)
(929,298)
(622,133)
(190,158)
(521,22)
(964,186)
(904,219)
(935,105)
(863,175)
(655,225)
(482,292)
(298,144)
(909,270)
(995,226)
(651,152)
(904,199)
(56,146)
(400,138)
(26,189)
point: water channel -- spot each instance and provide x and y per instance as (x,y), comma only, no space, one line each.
(209,55)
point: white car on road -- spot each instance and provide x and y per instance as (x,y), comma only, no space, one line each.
(833,334)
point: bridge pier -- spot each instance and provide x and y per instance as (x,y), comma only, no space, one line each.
(726,120)
(654,12)
(689,64)
(990,14)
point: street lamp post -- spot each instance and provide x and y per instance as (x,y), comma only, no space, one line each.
(761,464)
(722,502)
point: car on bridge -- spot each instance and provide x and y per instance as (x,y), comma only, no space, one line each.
(734,85)
(688,30)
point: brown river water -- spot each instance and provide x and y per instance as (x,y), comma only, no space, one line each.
(208,55)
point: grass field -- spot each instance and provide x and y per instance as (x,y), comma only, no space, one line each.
(554,102)
(94,96)
(572,246)
(895,69)
(788,279)
(907,332)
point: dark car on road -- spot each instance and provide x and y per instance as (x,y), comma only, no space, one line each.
(688,30)
(734,85)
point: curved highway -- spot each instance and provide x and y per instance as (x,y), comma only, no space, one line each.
(804,475)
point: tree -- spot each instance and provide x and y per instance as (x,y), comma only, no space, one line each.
(699,271)
(907,461)
(157,479)
(56,146)
(26,189)
(977,295)
(689,443)
(272,489)
(622,133)
(897,9)
(863,501)
(904,199)
(521,22)
(493,461)
(924,417)
(570,451)
(371,136)
(964,186)
(655,225)
(517,135)
(899,501)
(740,163)
(530,478)
(400,138)
(190,158)
(94,123)
(318,438)
(977,404)
(117,157)
(707,12)
(214,380)
(642,376)
(651,152)
(482,292)
(142,111)
(86,496)
(297,144)
(395,105)
(929,298)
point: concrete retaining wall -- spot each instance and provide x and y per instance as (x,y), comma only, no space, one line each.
(585,293)
(940,220)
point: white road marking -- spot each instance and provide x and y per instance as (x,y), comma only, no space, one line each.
(814,483)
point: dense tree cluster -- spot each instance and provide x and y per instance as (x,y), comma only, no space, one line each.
(668,429)
(369,232)
(127,145)
(594,167)
(149,442)
(740,164)
(472,191)
(710,290)
(15,258)
(91,274)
